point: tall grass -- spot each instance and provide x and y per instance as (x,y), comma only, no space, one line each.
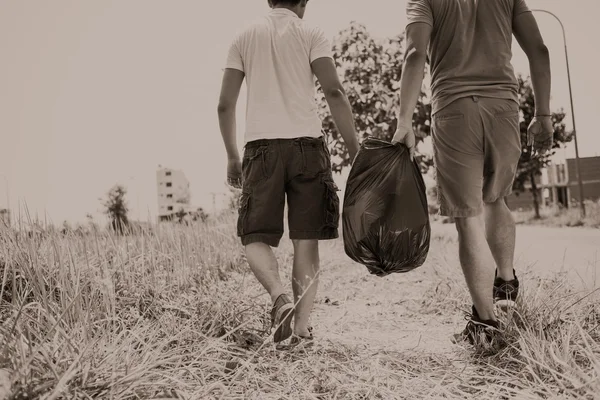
(172,312)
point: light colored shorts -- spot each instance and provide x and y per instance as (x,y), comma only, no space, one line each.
(477,146)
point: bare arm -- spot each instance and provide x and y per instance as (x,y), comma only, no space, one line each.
(413,70)
(528,36)
(230,91)
(324,70)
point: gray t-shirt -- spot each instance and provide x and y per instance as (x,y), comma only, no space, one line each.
(470,48)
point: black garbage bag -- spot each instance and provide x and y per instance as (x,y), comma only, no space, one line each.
(385,214)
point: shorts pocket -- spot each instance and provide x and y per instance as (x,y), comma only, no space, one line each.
(254,166)
(313,156)
(332,203)
(508,114)
(448,117)
(244,205)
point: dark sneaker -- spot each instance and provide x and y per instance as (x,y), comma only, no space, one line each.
(478,331)
(505,292)
(298,342)
(282,314)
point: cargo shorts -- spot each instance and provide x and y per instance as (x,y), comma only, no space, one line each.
(477,147)
(299,169)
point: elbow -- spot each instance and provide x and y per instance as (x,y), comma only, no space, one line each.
(223,108)
(539,53)
(414,55)
(335,93)
(544,51)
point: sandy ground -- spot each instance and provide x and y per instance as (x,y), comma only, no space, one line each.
(545,251)
(399,313)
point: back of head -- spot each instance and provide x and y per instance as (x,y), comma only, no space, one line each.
(297,6)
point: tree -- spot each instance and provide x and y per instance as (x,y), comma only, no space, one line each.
(116,209)
(370,70)
(199,215)
(531,165)
(180,215)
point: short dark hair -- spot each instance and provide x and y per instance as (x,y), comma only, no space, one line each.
(291,3)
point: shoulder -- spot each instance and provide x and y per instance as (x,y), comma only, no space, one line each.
(248,29)
(421,3)
(420,11)
(310,30)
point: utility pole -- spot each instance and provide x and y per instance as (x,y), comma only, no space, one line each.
(137,193)
(214,201)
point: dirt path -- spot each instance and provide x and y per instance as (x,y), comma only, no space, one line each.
(420,310)
(545,251)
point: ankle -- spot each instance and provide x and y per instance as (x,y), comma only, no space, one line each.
(484,315)
(304,332)
(275,295)
(507,274)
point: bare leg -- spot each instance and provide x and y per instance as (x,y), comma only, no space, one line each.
(264,266)
(477,263)
(305,281)
(501,237)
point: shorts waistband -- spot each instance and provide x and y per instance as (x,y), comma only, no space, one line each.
(304,140)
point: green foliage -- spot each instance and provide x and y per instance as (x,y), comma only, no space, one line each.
(116,209)
(185,217)
(370,70)
(180,215)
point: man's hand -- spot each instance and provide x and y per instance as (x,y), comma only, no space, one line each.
(540,134)
(234,173)
(405,135)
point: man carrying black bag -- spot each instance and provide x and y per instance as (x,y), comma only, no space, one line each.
(476,132)
(285,159)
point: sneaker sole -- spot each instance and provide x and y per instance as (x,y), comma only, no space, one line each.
(283,322)
(505,305)
(303,344)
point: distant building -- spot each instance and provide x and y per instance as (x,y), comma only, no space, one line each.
(173,190)
(4,217)
(558,185)
(590,176)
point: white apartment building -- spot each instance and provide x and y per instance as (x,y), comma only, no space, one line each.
(173,191)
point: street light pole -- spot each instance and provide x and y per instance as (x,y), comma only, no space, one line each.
(577,163)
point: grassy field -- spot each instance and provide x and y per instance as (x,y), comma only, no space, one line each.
(174,313)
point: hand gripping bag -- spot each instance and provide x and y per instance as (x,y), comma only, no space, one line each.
(385,214)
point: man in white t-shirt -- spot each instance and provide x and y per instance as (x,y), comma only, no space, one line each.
(285,153)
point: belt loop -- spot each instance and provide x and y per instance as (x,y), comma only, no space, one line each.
(303,156)
(264,162)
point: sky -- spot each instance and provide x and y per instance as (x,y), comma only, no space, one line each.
(94,93)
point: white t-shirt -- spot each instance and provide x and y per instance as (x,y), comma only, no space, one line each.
(276,53)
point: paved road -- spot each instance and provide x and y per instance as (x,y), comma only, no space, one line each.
(547,251)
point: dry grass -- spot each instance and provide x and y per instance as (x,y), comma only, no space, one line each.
(174,313)
(556,217)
